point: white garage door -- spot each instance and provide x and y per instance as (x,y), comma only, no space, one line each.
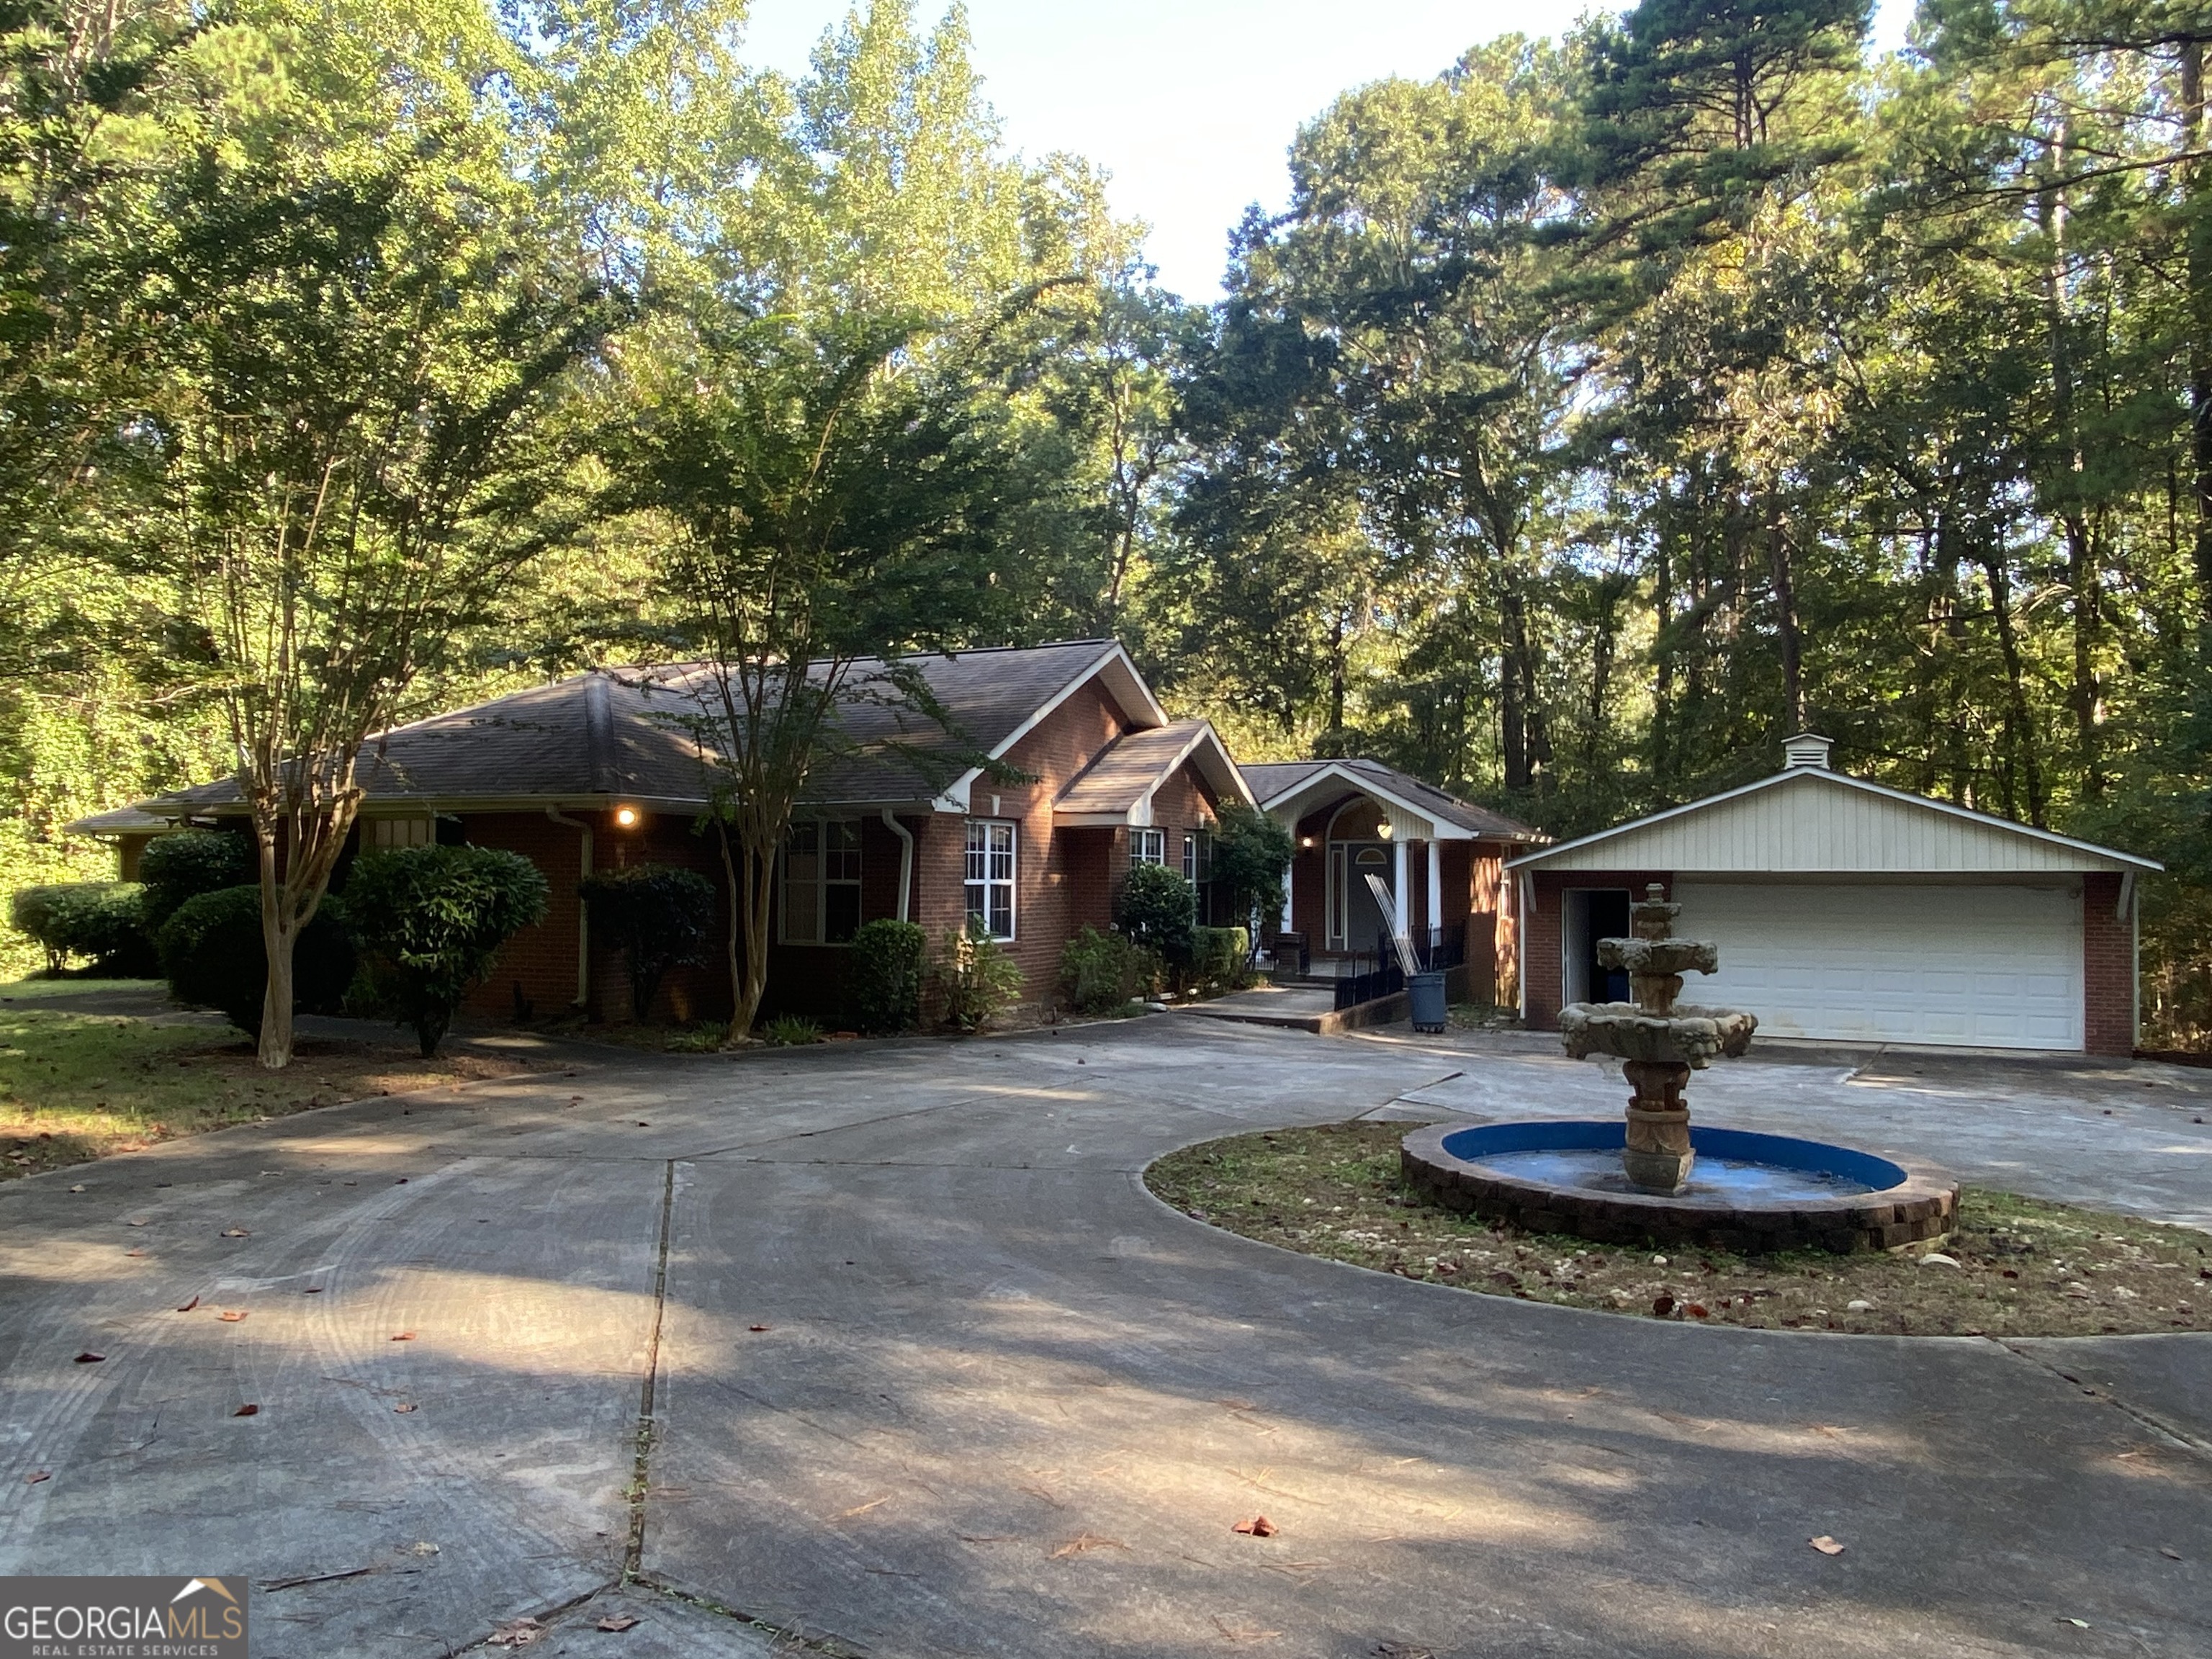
(1982,967)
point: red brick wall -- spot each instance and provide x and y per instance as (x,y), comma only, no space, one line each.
(2108,968)
(1546,938)
(541,959)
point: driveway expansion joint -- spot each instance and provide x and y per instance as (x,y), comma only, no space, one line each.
(2158,1425)
(641,1469)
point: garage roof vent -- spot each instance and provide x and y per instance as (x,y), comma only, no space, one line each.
(1806,749)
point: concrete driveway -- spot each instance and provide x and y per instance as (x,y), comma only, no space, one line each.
(887,1349)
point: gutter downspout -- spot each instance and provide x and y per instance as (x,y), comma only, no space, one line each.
(2131,913)
(583,910)
(1523,919)
(906,864)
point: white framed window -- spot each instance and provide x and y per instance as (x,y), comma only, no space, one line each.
(990,883)
(821,882)
(1197,856)
(1148,846)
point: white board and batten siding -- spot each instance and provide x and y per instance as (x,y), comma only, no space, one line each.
(1812,821)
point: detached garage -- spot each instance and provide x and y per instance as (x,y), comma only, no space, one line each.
(1851,912)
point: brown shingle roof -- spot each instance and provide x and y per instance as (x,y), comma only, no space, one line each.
(621,733)
(1130,768)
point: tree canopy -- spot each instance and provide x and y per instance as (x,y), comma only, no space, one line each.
(1599,411)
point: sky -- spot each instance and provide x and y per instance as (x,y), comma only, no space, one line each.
(1191,105)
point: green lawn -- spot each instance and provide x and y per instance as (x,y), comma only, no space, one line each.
(79,1079)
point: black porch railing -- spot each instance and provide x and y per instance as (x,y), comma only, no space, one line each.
(1438,947)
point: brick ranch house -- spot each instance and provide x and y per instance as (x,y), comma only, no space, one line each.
(1847,911)
(598,772)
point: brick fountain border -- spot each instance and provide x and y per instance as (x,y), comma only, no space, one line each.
(1923,1207)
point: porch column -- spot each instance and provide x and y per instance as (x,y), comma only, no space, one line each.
(1399,888)
(1287,922)
(1436,890)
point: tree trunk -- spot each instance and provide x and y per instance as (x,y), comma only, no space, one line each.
(273,1048)
(751,875)
(1781,577)
(1662,689)
(2197,222)
(1512,714)
(2019,730)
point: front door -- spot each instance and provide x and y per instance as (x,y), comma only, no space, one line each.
(1355,921)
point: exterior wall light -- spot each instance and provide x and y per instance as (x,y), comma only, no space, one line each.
(1305,841)
(626,817)
(1383,832)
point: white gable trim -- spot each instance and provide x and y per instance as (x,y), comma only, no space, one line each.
(1123,683)
(2103,857)
(1139,814)
(1424,825)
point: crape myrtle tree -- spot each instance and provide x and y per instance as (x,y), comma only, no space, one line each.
(362,342)
(836,493)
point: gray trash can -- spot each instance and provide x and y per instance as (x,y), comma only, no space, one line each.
(1425,999)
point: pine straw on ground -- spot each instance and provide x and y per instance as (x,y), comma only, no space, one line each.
(2025,1268)
(76,1086)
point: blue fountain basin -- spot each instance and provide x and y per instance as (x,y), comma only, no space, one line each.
(1735,1167)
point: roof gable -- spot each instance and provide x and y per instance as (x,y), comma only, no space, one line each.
(1808,820)
(1417,811)
(1118,786)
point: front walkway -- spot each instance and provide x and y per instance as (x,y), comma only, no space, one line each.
(888,1343)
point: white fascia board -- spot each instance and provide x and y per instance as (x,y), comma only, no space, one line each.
(1531,860)
(1129,691)
(1439,829)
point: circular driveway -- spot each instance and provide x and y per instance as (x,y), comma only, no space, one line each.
(888,1346)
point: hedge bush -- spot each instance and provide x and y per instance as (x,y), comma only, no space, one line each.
(976,977)
(183,865)
(429,922)
(883,975)
(657,916)
(211,952)
(1100,972)
(1220,958)
(100,919)
(1159,910)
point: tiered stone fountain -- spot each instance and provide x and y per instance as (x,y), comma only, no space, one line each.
(1643,1181)
(1659,1041)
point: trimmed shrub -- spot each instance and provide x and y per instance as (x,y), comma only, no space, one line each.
(1220,958)
(429,922)
(976,977)
(1159,910)
(1100,972)
(657,916)
(181,867)
(100,919)
(212,954)
(884,974)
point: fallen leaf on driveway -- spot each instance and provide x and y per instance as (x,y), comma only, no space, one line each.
(37,1475)
(1083,1543)
(405,1336)
(312,1289)
(134,1253)
(231,1316)
(517,1633)
(236,1232)
(862,1508)
(758,1327)
(88,1357)
(135,1221)
(247,1411)
(78,1189)
(1258,1527)
(616,1621)
(408,1406)
(1826,1545)
(2171,1555)
(190,1305)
